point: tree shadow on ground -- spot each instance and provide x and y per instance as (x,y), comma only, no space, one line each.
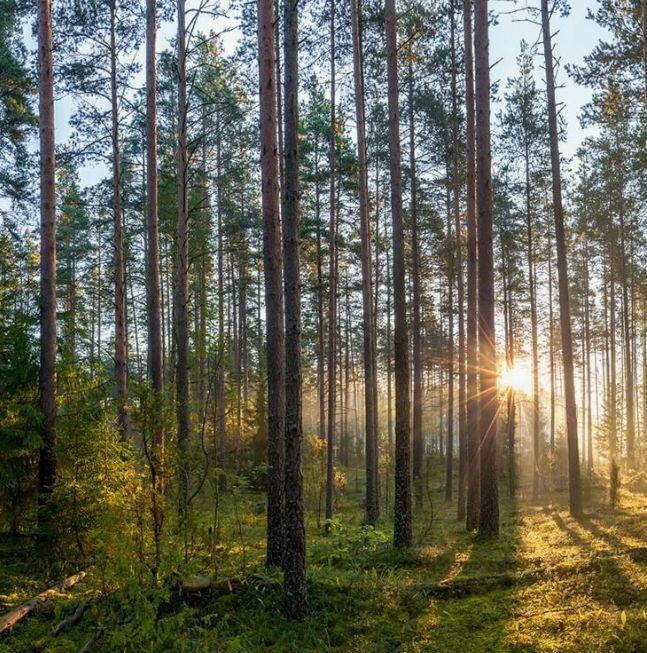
(477,621)
(602,577)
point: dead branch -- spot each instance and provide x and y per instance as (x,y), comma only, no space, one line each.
(17,614)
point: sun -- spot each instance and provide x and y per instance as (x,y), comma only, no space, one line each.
(517,378)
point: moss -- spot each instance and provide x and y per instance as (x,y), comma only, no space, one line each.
(573,587)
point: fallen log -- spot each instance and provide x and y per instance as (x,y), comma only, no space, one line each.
(73,619)
(10,619)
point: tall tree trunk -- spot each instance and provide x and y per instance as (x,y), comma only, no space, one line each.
(182,301)
(332,278)
(121,346)
(511,398)
(626,326)
(273,267)
(449,462)
(295,563)
(489,513)
(612,372)
(472,403)
(221,416)
(345,450)
(551,351)
(418,449)
(533,325)
(462,415)
(587,353)
(402,531)
(575,489)
(47,466)
(153,287)
(368,315)
(389,357)
(321,386)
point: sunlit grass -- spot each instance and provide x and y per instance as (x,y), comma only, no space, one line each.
(575,588)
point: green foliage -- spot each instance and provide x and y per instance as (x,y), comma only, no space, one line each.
(16,89)
(19,420)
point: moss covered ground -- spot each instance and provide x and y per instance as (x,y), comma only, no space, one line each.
(549,583)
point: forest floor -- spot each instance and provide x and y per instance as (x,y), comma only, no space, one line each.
(550,583)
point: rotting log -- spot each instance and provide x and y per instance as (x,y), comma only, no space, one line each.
(10,619)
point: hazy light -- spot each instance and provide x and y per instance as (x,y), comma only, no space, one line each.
(517,378)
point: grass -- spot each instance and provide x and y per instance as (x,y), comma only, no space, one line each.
(549,583)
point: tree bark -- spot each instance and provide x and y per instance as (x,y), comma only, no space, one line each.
(273,269)
(368,316)
(153,314)
(294,559)
(182,301)
(575,490)
(449,461)
(472,404)
(332,282)
(551,352)
(121,346)
(220,373)
(489,512)
(418,447)
(533,325)
(47,463)
(402,531)
(462,415)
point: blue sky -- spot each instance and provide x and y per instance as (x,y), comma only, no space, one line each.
(575,37)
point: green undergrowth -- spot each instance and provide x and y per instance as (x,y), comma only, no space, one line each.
(549,583)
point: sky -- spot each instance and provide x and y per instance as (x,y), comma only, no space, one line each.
(575,36)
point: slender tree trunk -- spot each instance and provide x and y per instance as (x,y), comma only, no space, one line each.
(402,532)
(368,316)
(153,309)
(449,462)
(489,513)
(533,327)
(551,352)
(345,453)
(626,325)
(462,415)
(472,403)
(511,394)
(587,336)
(273,268)
(332,286)
(415,284)
(221,416)
(121,347)
(47,464)
(612,375)
(389,357)
(321,385)
(575,489)
(294,559)
(182,301)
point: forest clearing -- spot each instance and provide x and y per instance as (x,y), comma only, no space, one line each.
(323,326)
